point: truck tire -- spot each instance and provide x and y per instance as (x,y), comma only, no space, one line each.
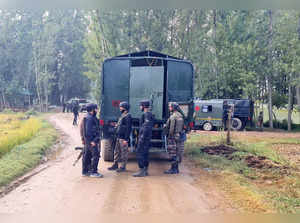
(108,152)
(236,124)
(207,126)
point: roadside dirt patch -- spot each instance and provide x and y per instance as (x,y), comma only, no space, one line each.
(222,150)
(289,151)
(258,162)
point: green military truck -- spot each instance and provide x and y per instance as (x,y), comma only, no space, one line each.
(143,75)
(209,113)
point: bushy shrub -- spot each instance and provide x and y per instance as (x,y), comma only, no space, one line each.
(31,112)
(280,124)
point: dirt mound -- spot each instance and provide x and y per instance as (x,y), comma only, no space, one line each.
(219,150)
(258,162)
(261,162)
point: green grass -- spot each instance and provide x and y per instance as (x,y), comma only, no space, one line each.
(23,158)
(16,132)
(262,190)
(282,114)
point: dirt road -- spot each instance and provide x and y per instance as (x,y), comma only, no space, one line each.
(61,190)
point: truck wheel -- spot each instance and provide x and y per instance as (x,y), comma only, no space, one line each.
(108,152)
(207,126)
(236,124)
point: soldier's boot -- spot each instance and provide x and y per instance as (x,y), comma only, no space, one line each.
(176,168)
(146,171)
(96,175)
(172,170)
(114,166)
(121,169)
(140,173)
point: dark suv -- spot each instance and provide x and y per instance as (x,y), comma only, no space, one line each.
(82,104)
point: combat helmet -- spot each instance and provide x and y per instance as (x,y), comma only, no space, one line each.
(145,103)
(125,105)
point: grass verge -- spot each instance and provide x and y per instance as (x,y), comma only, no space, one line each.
(254,186)
(23,158)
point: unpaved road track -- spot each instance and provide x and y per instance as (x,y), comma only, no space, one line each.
(61,192)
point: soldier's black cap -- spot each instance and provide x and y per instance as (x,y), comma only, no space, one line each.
(125,105)
(145,103)
(91,107)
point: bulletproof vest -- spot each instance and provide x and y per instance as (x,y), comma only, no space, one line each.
(147,120)
(179,122)
(119,126)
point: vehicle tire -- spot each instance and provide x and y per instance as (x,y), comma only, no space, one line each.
(207,126)
(108,152)
(236,124)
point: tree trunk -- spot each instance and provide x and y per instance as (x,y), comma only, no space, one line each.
(298,86)
(46,78)
(215,63)
(290,109)
(4,100)
(269,78)
(37,83)
(298,100)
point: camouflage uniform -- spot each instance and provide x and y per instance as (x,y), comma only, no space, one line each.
(174,129)
(123,130)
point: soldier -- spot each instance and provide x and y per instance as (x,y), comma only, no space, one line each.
(260,120)
(69,107)
(176,137)
(145,135)
(123,130)
(91,153)
(64,107)
(75,111)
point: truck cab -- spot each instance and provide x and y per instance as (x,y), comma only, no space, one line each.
(144,75)
(209,113)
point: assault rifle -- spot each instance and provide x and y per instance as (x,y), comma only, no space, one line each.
(79,156)
(82,132)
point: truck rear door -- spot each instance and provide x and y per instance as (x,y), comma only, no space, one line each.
(146,82)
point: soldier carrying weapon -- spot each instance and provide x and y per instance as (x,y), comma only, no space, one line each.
(91,138)
(123,130)
(145,135)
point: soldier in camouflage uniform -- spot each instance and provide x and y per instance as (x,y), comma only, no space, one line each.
(123,130)
(175,131)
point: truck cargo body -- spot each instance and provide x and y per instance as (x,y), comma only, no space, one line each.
(144,75)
